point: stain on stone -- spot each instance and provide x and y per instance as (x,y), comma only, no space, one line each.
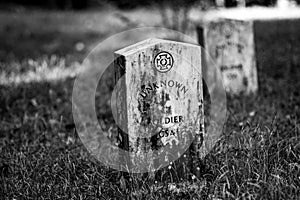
(245,82)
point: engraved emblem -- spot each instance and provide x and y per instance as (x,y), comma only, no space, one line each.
(227,30)
(163,62)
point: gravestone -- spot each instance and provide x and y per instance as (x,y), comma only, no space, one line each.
(230,46)
(269,36)
(159,107)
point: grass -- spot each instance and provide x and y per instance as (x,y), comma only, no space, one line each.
(257,156)
(42,156)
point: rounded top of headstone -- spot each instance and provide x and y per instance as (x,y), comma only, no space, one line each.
(149,43)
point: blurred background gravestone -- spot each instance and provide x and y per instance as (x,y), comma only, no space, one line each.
(233,39)
(230,43)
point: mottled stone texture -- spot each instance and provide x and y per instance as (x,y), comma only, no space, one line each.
(230,46)
(162,112)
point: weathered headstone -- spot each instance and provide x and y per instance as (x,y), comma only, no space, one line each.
(246,26)
(230,44)
(159,103)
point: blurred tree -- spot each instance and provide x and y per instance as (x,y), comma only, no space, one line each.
(130,4)
(261,2)
(60,4)
(75,4)
(175,13)
(231,3)
(79,4)
(244,3)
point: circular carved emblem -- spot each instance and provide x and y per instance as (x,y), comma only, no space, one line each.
(163,62)
(227,30)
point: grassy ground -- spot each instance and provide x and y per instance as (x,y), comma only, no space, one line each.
(42,157)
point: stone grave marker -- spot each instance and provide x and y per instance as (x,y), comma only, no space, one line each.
(230,44)
(159,107)
(232,36)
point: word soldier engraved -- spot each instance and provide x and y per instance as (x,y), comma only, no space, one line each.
(230,44)
(159,104)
